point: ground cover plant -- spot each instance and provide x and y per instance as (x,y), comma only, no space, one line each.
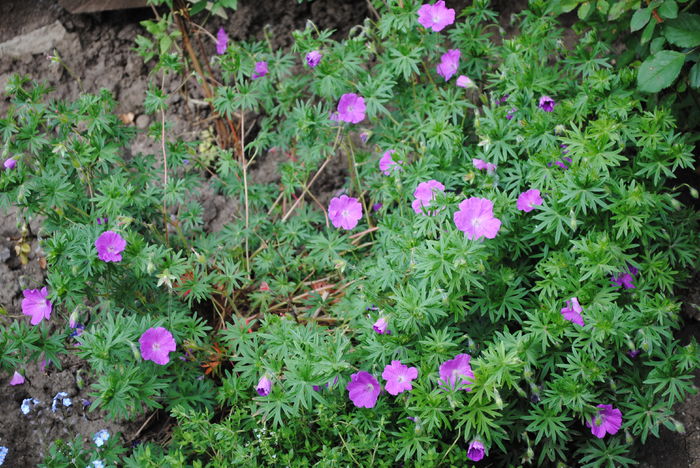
(494,284)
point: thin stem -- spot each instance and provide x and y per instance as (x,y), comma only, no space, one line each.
(245,192)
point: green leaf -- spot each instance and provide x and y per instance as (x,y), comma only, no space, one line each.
(567,5)
(656,45)
(584,10)
(616,11)
(659,71)
(639,19)
(694,76)
(648,32)
(683,31)
(668,9)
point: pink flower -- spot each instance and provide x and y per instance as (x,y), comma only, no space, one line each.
(480,164)
(449,62)
(475,218)
(457,373)
(313,58)
(344,212)
(547,104)
(436,17)
(264,386)
(10,163)
(221,41)
(260,70)
(425,193)
(608,420)
(387,163)
(363,389)
(398,377)
(36,304)
(17,379)
(351,108)
(464,81)
(381,326)
(528,200)
(475,452)
(110,246)
(156,345)
(572,311)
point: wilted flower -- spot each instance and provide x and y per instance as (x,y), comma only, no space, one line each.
(387,163)
(436,16)
(36,304)
(156,345)
(607,421)
(457,373)
(363,389)
(264,386)
(572,311)
(625,279)
(110,246)
(464,81)
(10,163)
(260,70)
(449,62)
(221,41)
(313,58)
(425,193)
(475,218)
(17,379)
(381,326)
(475,452)
(100,437)
(345,212)
(528,200)
(398,377)
(351,108)
(547,104)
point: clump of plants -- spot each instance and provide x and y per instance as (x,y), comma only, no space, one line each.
(495,283)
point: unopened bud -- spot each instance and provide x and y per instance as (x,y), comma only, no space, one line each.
(678,426)
(693,192)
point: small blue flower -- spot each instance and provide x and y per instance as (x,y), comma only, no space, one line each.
(3,454)
(63,397)
(27,403)
(97,464)
(101,437)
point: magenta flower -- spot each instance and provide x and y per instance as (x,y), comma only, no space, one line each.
(475,218)
(10,163)
(425,193)
(36,304)
(398,377)
(17,379)
(381,326)
(260,70)
(625,279)
(464,81)
(480,164)
(313,58)
(351,108)
(547,104)
(221,41)
(528,200)
(607,421)
(387,163)
(475,452)
(572,311)
(110,246)
(156,345)
(344,212)
(363,389)
(264,386)
(436,16)
(457,373)
(449,62)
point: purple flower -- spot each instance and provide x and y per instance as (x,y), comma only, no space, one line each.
(547,104)
(475,218)
(260,70)
(633,353)
(313,58)
(572,311)
(351,108)
(511,113)
(381,326)
(457,373)
(625,279)
(449,62)
(464,81)
(221,41)
(344,212)
(503,99)
(425,193)
(480,164)
(528,200)
(436,16)
(608,420)
(564,150)
(156,345)
(377,207)
(110,246)
(316,388)
(387,163)
(10,163)
(101,221)
(363,389)
(364,136)
(17,379)
(398,377)
(475,452)
(264,386)
(36,304)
